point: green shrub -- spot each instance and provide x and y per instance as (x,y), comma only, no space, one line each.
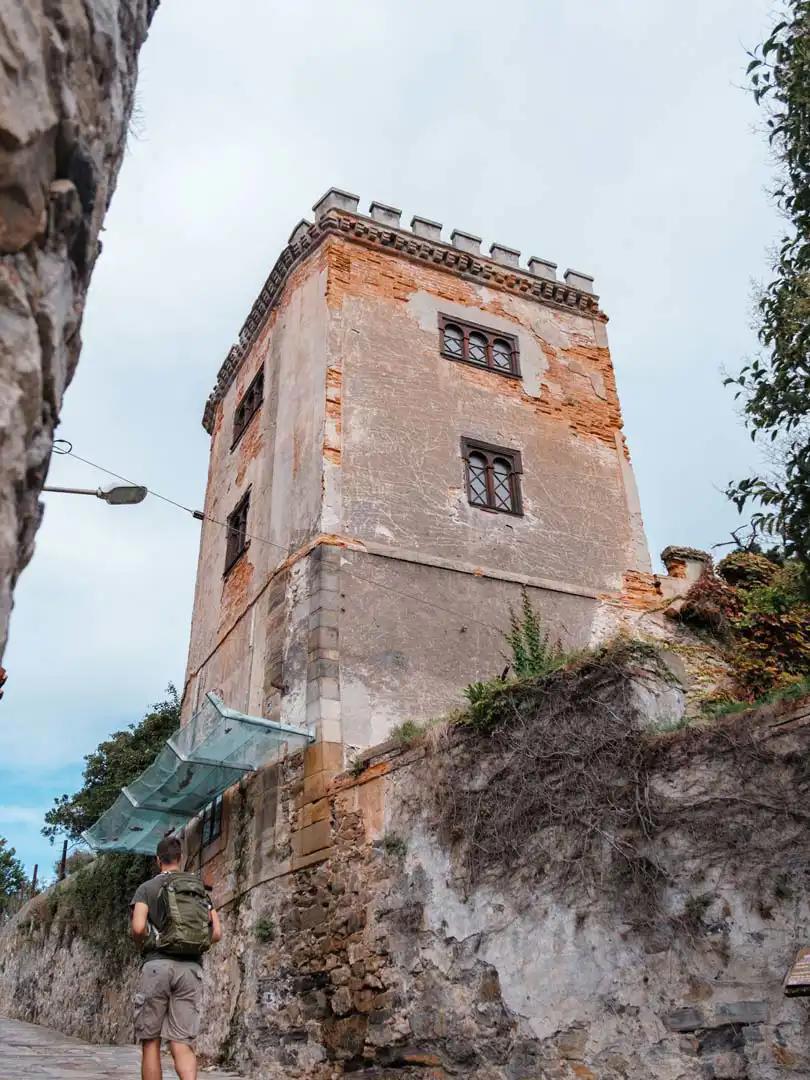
(394,845)
(357,767)
(533,654)
(407,733)
(265,929)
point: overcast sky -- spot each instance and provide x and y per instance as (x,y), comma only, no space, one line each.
(611,136)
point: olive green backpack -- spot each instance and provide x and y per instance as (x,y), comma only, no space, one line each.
(186,909)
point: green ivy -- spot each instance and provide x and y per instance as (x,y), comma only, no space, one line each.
(93,904)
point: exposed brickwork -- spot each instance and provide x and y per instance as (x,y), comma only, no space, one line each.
(568,392)
(641,591)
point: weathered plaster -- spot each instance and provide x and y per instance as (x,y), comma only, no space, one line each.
(359,439)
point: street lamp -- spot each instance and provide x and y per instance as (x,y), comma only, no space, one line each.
(114,494)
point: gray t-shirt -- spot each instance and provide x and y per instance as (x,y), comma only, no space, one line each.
(148,893)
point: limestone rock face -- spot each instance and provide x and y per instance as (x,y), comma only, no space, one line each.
(69,69)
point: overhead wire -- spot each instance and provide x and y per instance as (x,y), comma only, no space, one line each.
(200,515)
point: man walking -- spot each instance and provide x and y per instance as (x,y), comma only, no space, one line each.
(174,922)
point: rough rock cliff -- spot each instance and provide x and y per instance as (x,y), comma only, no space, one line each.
(66,94)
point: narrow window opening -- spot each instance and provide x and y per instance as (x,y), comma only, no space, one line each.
(237,539)
(248,406)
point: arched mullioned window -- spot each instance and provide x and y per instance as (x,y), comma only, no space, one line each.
(493,476)
(453,340)
(477,345)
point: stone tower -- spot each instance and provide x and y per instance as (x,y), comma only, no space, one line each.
(407,434)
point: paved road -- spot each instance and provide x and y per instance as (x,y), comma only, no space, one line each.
(27,1050)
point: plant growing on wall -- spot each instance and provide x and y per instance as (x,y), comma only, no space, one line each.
(533,653)
(775,388)
(759,610)
(113,764)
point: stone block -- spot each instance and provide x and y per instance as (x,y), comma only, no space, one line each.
(300,230)
(324,600)
(314,811)
(325,637)
(341,1001)
(315,786)
(324,617)
(302,862)
(323,756)
(728,1067)
(330,729)
(387,215)
(325,669)
(329,688)
(742,1012)
(577,280)
(431,230)
(506,255)
(329,580)
(543,268)
(320,712)
(466,242)
(336,199)
(313,916)
(314,837)
(685,1019)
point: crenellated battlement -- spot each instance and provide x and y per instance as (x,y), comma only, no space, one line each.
(337,213)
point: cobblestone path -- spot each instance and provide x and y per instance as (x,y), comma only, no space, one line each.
(27,1050)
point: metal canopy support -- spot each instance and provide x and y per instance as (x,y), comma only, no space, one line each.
(205,757)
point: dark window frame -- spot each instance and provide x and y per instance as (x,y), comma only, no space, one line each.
(211,822)
(249,404)
(491,452)
(491,336)
(236,539)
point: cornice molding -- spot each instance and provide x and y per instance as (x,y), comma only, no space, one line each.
(307,238)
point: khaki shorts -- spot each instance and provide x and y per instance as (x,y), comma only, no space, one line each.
(167,1004)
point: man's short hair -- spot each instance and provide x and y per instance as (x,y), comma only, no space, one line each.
(169,850)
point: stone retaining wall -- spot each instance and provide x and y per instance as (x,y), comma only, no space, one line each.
(351,946)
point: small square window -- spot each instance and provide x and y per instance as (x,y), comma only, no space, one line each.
(248,406)
(237,540)
(493,476)
(471,344)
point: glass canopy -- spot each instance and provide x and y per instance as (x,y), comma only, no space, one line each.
(203,758)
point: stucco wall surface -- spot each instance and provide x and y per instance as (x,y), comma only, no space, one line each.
(357,449)
(405,408)
(279,459)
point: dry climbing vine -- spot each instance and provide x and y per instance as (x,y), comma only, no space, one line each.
(562,784)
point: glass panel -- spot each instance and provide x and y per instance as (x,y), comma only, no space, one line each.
(453,340)
(206,756)
(502,484)
(477,472)
(501,355)
(478,348)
